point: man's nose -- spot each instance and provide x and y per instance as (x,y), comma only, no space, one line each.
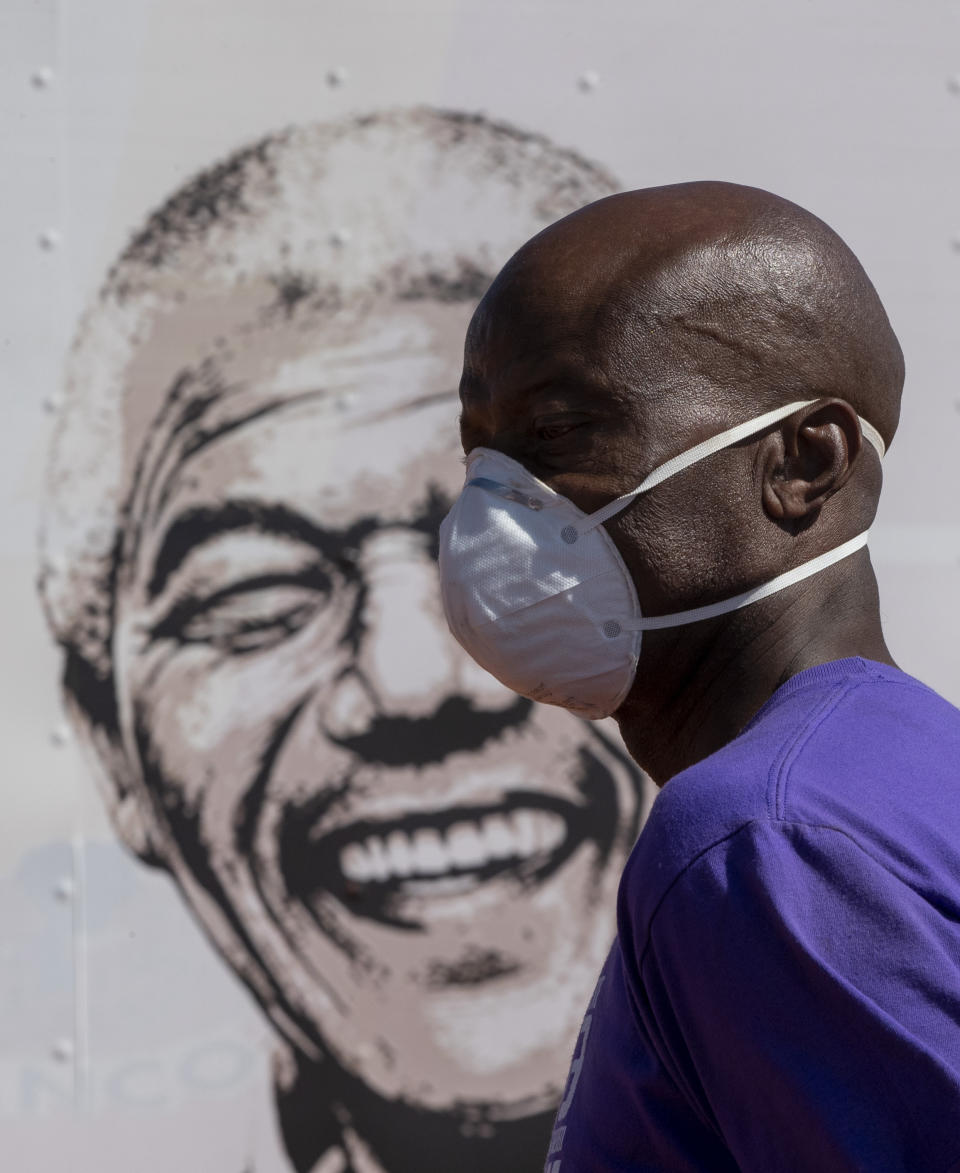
(406,657)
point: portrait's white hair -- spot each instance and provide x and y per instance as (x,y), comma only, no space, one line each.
(409,204)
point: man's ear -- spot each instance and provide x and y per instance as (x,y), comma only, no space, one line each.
(808,458)
(129,809)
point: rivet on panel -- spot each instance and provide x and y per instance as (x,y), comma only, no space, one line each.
(340,237)
(49,239)
(588,81)
(62,1050)
(953,84)
(52,403)
(64,889)
(337,76)
(60,735)
(42,77)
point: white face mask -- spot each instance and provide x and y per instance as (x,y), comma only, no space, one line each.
(535,590)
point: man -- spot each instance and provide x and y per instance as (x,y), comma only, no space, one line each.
(675,404)
(411,869)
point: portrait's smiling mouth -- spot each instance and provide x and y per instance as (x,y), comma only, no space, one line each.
(447,852)
(374,867)
(386,870)
(466,849)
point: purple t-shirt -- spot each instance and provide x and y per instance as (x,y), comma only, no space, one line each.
(784,990)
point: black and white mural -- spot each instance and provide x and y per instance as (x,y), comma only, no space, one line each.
(412,870)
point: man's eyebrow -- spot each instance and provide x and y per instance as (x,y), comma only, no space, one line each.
(201,524)
(563,381)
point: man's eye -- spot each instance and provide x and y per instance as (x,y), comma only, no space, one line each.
(555,431)
(249,616)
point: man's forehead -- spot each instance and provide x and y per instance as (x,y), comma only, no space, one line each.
(535,352)
(572,308)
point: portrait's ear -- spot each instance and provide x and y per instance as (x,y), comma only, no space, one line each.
(130,812)
(808,458)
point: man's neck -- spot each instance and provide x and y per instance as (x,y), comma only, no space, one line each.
(697,689)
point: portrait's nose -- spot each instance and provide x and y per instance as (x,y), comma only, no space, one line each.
(407,661)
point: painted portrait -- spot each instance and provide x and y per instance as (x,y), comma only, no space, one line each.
(411,870)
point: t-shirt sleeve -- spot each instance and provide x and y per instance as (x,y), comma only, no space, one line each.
(807,1002)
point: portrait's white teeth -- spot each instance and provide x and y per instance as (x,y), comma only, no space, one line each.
(378,858)
(429,856)
(497,837)
(355,864)
(551,831)
(465,846)
(399,854)
(524,827)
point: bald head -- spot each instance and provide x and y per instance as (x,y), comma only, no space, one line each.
(717,292)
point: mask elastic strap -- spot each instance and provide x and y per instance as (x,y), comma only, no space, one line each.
(780,583)
(700,452)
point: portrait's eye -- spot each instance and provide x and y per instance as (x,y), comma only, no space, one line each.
(348,562)
(250,615)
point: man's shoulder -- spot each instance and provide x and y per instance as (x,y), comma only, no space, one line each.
(882,766)
(854,745)
(882,736)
